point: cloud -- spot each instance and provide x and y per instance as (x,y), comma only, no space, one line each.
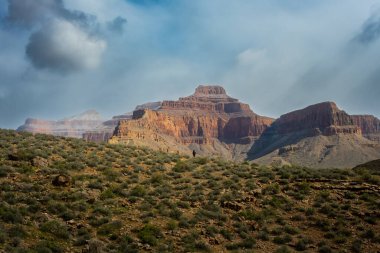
(63,46)
(370,31)
(117,25)
(251,56)
(276,55)
(28,13)
(61,40)
(3,92)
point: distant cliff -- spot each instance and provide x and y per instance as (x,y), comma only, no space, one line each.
(69,127)
(105,131)
(319,135)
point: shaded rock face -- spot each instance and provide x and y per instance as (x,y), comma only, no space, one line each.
(370,126)
(319,135)
(206,119)
(69,127)
(325,118)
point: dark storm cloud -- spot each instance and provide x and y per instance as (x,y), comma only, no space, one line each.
(31,12)
(65,40)
(370,31)
(28,13)
(63,47)
(117,25)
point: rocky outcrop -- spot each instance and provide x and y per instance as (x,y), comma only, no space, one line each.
(105,131)
(319,135)
(369,124)
(325,118)
(69,127)
(209,121)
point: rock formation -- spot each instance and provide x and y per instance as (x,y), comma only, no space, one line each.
(105,131)
(208,121)
(213,123)
(370,126)
(69,127)
(325,118)
(319,135)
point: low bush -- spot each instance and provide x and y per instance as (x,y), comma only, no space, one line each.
(149,234)
(56,228)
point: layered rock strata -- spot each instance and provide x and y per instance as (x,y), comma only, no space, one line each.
(69,127)
(105,131)
(208,121)
(319,135)
(369,125)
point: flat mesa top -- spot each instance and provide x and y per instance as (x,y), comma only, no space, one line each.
(209,90)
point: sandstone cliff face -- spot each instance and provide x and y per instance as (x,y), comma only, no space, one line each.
(70,127)
(105,131)
(319,135)
(207,120)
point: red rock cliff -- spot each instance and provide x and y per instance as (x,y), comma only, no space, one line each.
(207,115)
(370,126)
(325,117)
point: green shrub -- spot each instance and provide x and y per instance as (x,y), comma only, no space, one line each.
(282,239)
(55,228)
(310,211)
(193,243)
(301,244)
(17,231)
(283,249)
(303,188)
(110,229)
(263,235)
(247,243)
(3,236)
(291,230)
(175,213)
(369,234)
(138,191)
(271,189)
(149,234)
(356,246)
(324,249)
(226,234)
(47,247)
(127,245)
(4,170)
(182,166)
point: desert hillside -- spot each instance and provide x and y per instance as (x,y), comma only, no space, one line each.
(67,195)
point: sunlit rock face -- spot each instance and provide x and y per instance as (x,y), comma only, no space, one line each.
(104,132)
(209,121)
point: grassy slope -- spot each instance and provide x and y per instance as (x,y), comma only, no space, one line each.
(127,199)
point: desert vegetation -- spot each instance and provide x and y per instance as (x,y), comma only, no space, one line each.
(67,195)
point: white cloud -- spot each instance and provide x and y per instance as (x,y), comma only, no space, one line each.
(63,46)
(251,56)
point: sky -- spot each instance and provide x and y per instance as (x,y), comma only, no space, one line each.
(61,57)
